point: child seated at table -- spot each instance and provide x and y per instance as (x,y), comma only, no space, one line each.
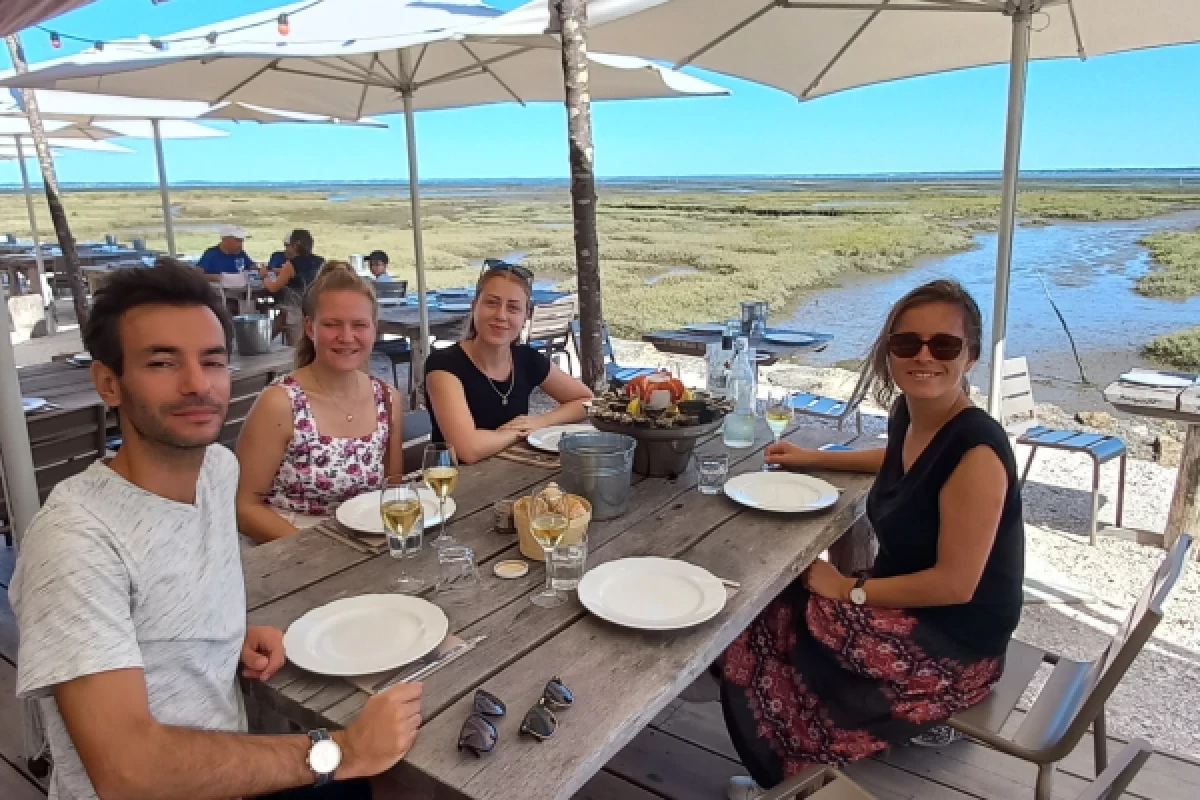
(839,668)
(479,388)
(327,431)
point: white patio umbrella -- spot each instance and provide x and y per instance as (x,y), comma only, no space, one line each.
(811,48)
(18,14)
(103,116)
(347,58)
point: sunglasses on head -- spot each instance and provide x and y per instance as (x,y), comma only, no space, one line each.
(942,346)
(479,734)
(497,265)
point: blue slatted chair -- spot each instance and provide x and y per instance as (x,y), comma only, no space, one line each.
(1017,401)
(830,408)
(615,373)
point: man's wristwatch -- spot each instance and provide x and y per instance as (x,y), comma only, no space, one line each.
(324,757)
(858,595)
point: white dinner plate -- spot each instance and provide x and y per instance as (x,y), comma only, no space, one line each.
(1157,379)
(548,438)
(365,634)
(705,327)
(455,306)
(787,492)
(361,513)
(652,594)
(789,338)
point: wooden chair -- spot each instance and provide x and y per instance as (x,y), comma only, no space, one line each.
(830,408)
(1017,401)
(63,444)
(549,329)
(1074,695)
(616,374)
(243,393)
(826,783)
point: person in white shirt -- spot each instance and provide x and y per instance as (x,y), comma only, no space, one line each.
(377,262)
(129,593)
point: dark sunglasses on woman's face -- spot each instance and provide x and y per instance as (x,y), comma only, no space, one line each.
(496,265)
(942,346)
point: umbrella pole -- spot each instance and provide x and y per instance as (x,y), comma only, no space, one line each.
(19,482)
(163,191)
(1018,70)
(33,231)
(421,346)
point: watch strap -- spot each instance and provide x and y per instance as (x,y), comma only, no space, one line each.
(317,736)
(862,580)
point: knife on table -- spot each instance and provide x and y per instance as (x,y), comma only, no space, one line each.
(433,666)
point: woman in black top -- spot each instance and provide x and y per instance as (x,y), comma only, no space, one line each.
(839,668)
(479,388)
(289,283)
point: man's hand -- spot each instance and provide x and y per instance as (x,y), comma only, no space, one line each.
(384,732)
(262,653)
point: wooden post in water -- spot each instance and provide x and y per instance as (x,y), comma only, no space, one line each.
(1184,516)
(58,215)
(573,18)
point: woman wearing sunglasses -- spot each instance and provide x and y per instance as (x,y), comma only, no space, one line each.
(876,660)
(479,389)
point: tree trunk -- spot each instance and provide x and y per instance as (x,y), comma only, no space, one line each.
(573,18)
(58,216)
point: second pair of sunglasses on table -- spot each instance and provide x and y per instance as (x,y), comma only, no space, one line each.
(479,734)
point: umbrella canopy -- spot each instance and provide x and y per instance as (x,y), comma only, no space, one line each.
(100,129)
(22,13)
(347,58)
(815,47)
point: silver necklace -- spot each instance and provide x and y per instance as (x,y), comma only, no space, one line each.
(327,393)
(512,380)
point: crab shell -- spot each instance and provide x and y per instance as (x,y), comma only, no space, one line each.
(645,387)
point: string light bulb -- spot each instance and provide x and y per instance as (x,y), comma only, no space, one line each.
(55,40)
(99,47)
(285,27)
(211,37)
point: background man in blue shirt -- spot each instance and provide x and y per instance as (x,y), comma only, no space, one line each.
(228,257)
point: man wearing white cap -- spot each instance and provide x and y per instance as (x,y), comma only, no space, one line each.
(228,257)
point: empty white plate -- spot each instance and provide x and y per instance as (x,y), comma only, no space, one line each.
(365,634)
(1157,379)
(548,438)
(362,513)
(705,327)
(780,337)
(787,492)
(652,594)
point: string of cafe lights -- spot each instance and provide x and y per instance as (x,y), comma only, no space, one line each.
(282,25)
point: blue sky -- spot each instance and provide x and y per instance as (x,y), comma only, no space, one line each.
(1129,110)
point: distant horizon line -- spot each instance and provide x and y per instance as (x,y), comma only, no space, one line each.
(915,176)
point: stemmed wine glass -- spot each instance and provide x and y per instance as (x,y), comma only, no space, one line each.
(440,470)
(548,522)
(404,522)
(778,413)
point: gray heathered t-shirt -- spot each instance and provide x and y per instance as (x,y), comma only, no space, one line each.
(110,577)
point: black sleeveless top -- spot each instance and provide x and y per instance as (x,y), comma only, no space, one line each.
(903,509)
(484,397)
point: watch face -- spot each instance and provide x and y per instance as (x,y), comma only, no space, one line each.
(324,757)
(858,596)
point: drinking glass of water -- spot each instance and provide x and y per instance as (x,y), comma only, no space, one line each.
(712,469)
(567,563)
(458,578)
(404,522)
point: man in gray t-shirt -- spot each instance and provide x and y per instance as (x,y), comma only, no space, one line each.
(129,594)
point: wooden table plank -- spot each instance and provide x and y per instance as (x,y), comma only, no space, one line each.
(284,566)
(622,678)
(13,785)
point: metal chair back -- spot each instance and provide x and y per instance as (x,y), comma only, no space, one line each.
(1016,390)
(391,290)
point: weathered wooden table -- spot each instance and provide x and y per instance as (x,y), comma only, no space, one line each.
(1181,405)
(620,677)
(694,343)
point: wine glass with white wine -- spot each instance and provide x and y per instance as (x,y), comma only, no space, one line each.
(440,470)
(778,413)
(404,522)
(548,522)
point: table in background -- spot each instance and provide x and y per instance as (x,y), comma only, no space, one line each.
(1181,405)
(694,343)
(621,678)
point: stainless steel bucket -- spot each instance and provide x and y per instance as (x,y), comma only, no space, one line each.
(252,333)
(598,466)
